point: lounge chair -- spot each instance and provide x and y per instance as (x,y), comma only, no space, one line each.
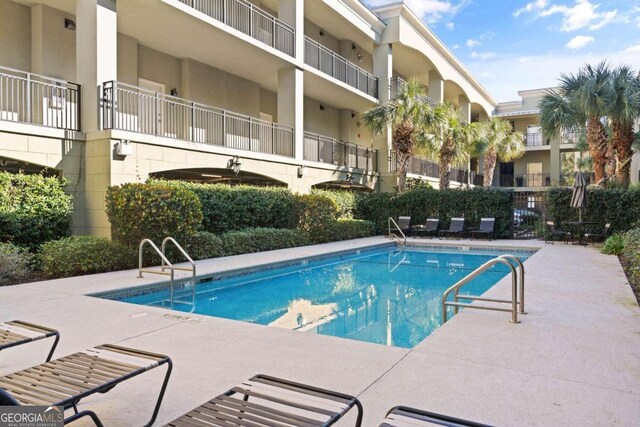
(402,416)
(601,235)
(269,401)
(69,379)
(487,226)
(553,233)
(429,228)
(456,228)
(17,332)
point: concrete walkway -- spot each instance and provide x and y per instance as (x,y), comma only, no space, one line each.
(574,359)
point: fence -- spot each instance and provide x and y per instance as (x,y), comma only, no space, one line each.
(425,167)
(39,100)
(134,109)
(323,149)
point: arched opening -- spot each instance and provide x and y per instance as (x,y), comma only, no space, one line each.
(218,176)
(19,166)
(342,185)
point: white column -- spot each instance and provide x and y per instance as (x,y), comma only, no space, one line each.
(291,12)
(291,104)
(554,160)
(96,54)
(465,108)
(383,70)
(436,87)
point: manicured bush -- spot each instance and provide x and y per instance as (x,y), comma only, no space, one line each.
(620,207)
(344,200)
(614,245)
(345,229)
(15,263)
(202,245)
(261,239)
(154,211)
(78,255)
(33,209)
(315,212)
(227,208)
(631,257)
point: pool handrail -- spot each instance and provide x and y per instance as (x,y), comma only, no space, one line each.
(520,266)
(392,221)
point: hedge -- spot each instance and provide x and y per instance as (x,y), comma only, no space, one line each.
(78,255)
(345,229)
(315,212)
(618,206)
(33,209)
(15,263)
(227,208)
(423,202)
(631,257)
(344,200)
(153,211)
(261,239)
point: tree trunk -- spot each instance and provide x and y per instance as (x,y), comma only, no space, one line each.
(446,157)
(597,141)
(402,163)
(622,142)
(490,159)
(403,145)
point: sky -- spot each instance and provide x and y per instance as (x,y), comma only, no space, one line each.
(512,45)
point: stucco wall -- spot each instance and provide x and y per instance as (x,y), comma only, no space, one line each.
(520,165)
(55,53)
(159,67)
(325,122)
(15,35)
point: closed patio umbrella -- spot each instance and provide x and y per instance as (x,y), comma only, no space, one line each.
(579,195)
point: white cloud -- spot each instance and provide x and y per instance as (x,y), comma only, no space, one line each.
(633,49)
(456,46)
(472,43)
(482,55)
(578,42)
(450,25)
(431,11)
(583,14)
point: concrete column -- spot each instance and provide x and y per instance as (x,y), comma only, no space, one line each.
(291,105)
(436,86)
(291,12)
(383,70)
(465,108)
(554,161)
(96,54)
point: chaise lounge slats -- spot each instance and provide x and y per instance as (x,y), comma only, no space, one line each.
(17,332)
(268,401)
(402,416)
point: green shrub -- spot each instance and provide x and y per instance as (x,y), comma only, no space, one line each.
(152,211)
(631,255)
(614,245)
(78,255)
(261,239)
(33,209)
(202,245)
(344,200)
(227,208)
(315,212)
(345,229)
(15,263)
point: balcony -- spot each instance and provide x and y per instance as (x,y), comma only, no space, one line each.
(323,149)
(250,20)
(569,179)
(134,109)
(428,168)
(394,87)
(39,100)
(526,180)
(329,62)
(536,139)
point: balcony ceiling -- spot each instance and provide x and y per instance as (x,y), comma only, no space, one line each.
(335,24)
(318,86)
(411,63)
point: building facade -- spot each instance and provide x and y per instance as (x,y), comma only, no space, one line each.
(268,92)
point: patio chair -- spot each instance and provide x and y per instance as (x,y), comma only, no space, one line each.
(17,332)
(402,416)
(429,228)
(456,228)
(553,233)
(265,400)
(599,236)
(487,226)
(69,379)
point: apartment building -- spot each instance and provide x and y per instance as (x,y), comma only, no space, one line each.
(105,92)
(547,161)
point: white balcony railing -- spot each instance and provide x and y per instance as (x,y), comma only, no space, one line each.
(324,149)
(134,109)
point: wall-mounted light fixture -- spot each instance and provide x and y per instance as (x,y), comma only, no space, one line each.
(234,164)
(353,46)
(302,170)
(359,57)
(321,107)
(349,178)
(69,24)
(353,115)
(174,92)
(321,33)
(124,148)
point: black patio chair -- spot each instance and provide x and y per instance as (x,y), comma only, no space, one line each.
(17,332)
(487,226)
(268,401)
(456,228)
(67,380)
(600,235)
(553,233)
(429,228)
(403,416)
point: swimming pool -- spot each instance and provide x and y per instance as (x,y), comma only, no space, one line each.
(385,295)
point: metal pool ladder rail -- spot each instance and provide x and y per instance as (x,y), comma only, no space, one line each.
(517,280)
(392,221)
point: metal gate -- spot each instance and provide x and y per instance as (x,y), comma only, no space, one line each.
(529,214)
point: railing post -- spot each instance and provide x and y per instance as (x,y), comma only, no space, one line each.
(114,90)
(28,98)
(224,128)
(192,129)
(156,116)
(273,138)
(250,134)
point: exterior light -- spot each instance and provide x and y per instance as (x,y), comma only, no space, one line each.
(302,170)
(124,148)
(69,24)
(234,164)
(349,178)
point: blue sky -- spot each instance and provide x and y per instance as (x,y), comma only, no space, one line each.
(512,45)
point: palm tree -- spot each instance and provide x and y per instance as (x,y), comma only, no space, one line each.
(498,141)
(451,139)
(406,115)
(623,110)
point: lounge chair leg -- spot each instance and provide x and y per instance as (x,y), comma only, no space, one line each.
(83,414)
(161,395)
(53,347)
(360,413)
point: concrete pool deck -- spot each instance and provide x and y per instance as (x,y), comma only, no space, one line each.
(574,359)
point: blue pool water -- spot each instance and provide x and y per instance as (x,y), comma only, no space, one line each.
(384,295)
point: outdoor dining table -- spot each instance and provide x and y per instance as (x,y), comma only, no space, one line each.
(579,228)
